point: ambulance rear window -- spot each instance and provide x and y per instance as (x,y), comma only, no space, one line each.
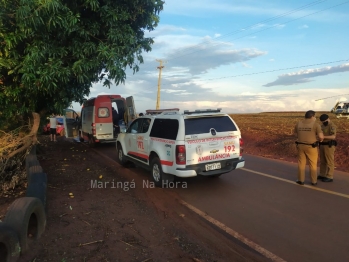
(203,125)
(103,112)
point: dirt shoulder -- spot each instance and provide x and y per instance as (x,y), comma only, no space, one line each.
(118,222)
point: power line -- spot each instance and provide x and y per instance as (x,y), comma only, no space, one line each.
(259,23)
(269,27)
(269,71)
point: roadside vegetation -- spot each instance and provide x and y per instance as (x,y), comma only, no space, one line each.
(52,52)
(15,145)
(281,123)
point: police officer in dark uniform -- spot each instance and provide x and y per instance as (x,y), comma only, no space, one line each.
(307,132)
(327,148)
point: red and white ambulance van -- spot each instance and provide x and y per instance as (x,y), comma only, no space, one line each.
(96,121)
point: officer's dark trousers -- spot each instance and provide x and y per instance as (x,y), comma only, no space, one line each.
(327,161)
(306,152)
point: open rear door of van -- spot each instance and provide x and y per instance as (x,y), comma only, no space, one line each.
(71,123)
(131,110)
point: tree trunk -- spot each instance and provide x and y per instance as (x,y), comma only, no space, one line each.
(30,139)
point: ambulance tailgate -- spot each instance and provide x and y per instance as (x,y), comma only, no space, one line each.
(211,140)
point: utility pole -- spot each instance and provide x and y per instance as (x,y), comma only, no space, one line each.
(159,84)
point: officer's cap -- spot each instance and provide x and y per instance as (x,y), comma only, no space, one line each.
(323,117)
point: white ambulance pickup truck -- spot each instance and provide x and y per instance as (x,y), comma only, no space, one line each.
(200,142)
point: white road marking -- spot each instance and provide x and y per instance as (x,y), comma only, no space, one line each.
(234,234)
(293,182)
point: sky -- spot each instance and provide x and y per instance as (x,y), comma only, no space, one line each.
(244,57)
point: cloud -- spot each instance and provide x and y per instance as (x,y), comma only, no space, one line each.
(278,26)
(182,82)
(305,76)
(181,77)
(303,27)
(186,57)
(252,102)
(194,94)
(210,54)
(257,26)
(165,29)
(172,90)
(246,65)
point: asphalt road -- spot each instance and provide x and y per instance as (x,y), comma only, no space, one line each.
(263,203)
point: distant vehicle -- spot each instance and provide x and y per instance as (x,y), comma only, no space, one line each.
(341,109)
(59,127)
(96,123)
(72,121)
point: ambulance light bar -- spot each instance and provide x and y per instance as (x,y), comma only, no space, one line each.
(203,111)
(159,111)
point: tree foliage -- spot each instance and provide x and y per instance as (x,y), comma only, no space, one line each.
(53,50)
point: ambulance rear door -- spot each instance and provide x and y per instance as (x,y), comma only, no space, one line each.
(211,139)
(103,121)
(131,109)
(71,123)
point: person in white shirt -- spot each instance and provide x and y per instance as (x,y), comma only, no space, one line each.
(53,125)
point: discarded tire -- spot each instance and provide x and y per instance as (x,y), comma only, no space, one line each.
(32,163)
(38,190)
(35,169)
(9,244)
(26,216)
(28,159)
(37,177)
(33,150)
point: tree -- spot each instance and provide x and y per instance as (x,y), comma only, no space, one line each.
(53,50)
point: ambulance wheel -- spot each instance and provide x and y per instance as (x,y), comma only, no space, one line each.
(10,248)
(121,157)
(160,178)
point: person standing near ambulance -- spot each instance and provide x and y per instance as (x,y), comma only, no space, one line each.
(53,126)
(307,132)
(327,148)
